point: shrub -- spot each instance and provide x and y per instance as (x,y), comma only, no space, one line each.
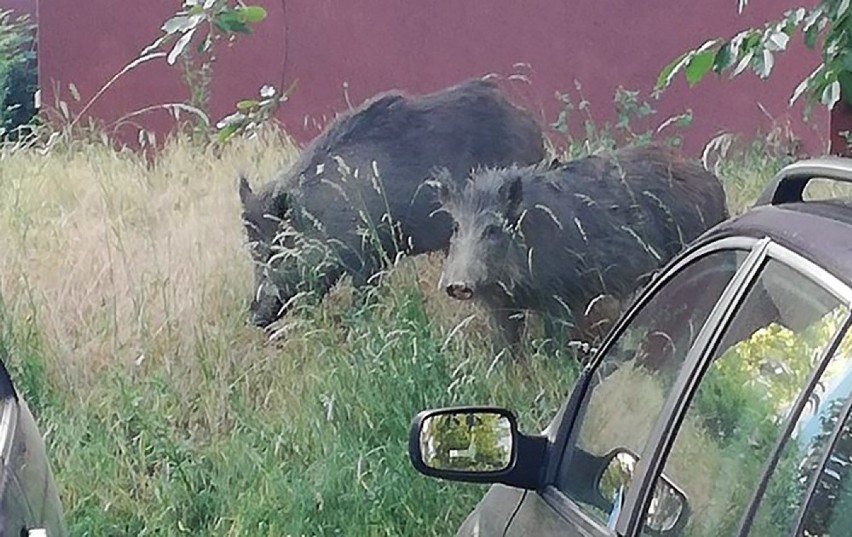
(18,72)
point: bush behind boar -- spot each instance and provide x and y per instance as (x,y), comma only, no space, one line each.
(355,198)
(563,239)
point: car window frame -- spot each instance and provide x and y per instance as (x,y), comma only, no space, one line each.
(696,363)
(565,432)
(843,293)
(825,455)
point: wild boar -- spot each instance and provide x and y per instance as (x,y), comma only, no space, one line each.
(356,196)
(572,241)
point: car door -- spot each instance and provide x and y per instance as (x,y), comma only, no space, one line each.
(736,434)
(29,501)
(620,397)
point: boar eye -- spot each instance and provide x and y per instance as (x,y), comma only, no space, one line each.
(455,227)
(491,231)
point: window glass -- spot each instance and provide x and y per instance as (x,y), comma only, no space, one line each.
(635,376)
(829,511)
(738,410)
(800,458)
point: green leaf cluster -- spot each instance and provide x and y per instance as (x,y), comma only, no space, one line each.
(212,18)
(828,25)
(251,114)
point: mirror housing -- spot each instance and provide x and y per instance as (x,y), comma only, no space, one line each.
(476,444)
(669,507)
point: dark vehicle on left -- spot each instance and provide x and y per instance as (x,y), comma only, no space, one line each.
(29,499)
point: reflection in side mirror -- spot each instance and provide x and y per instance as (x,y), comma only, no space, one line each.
(467,441)
(668,508)
(477,444)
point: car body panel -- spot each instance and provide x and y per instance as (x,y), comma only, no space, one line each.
(29,499)
(493,512)
(35,477)
(551,513)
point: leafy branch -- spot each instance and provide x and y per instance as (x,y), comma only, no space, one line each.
(206,22)
(828,23)
(214,19)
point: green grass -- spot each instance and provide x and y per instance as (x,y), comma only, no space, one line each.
(124,288)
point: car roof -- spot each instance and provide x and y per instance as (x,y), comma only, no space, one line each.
(820,231)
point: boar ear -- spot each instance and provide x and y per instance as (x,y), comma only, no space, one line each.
(511,193)
(246,195)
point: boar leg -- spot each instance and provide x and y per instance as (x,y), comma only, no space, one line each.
(507,325)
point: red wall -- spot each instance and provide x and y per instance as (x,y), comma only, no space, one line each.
(19,6)
(374,45)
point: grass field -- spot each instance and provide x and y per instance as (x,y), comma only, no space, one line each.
(124,286)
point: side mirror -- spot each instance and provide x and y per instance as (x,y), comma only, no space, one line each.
(475,444)
(669,508)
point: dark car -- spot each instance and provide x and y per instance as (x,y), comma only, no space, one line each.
(29,502)
(719,404)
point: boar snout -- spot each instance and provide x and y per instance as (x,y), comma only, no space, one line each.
(460,291)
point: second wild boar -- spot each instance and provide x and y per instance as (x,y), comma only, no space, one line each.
(572,241)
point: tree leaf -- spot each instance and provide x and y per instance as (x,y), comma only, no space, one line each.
(227,132)
(813,17)
(845,80)
(811,35)
(698,66)
(777,41)
(831,94)
(179,47)
(765,67)
(796,16)
(723,58)
(744,61)
(252,13)
(668,72)
(246,104)
(230,22)
(843,8)
(175,24)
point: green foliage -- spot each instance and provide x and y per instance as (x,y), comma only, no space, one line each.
(252,114)
(747,388)
(17,71)
(212,20)
(829,21)
(631,110)
(206,23)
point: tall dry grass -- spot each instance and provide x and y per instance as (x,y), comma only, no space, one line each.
(123,292)
(124,287)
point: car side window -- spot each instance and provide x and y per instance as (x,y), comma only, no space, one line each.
(736,415)
(829,509)
(800,461)
(638,370)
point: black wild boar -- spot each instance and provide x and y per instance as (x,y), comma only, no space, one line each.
(356,197)
(573,241)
